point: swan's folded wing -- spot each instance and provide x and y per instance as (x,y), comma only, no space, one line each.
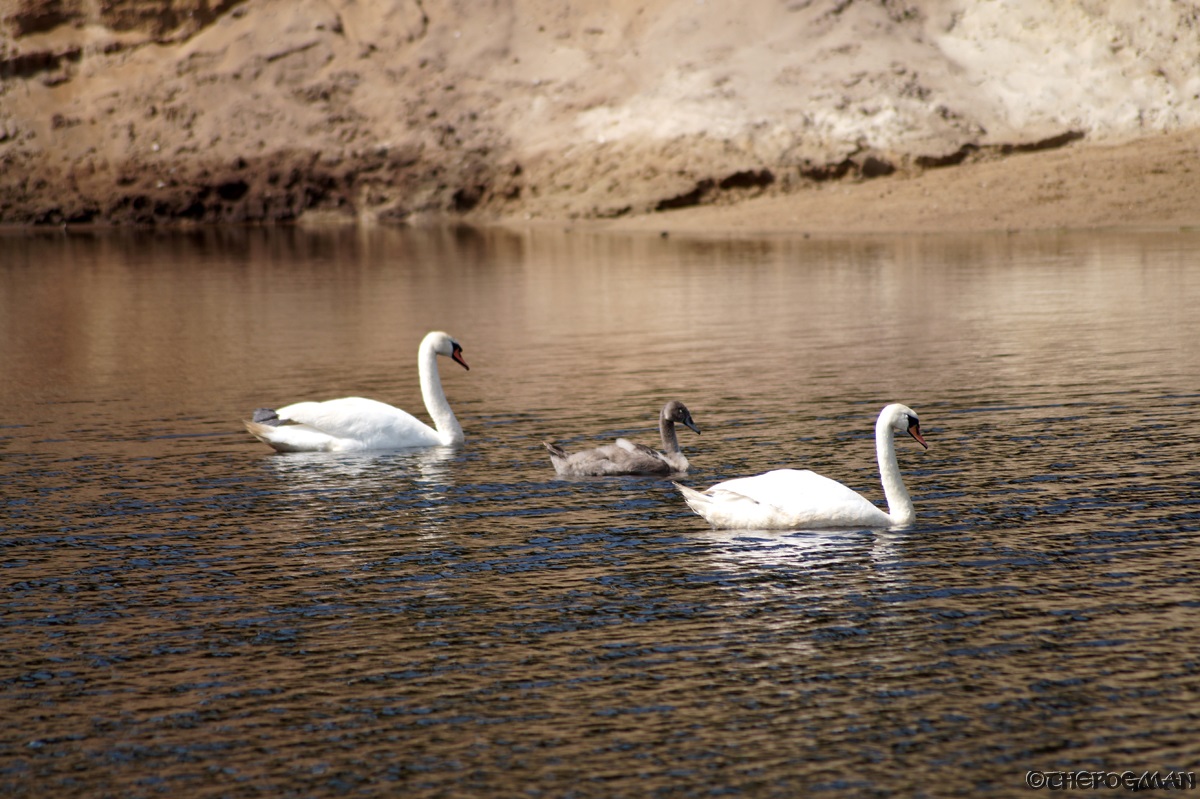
(800,499)
(612,459)
(642,459)
(788,488)
(729,509)
(359,419)
(633,448)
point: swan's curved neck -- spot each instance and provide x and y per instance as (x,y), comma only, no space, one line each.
(900,506)
(666,428)
(435,397)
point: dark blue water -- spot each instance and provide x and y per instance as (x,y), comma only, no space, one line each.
(184,612)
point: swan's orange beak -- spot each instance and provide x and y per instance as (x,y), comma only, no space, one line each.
(457,355)
(914,430)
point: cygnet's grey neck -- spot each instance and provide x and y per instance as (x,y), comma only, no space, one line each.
(666,429)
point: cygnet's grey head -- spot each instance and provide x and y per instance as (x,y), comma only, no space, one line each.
(676,411)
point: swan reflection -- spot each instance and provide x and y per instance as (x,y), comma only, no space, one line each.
(753,550)
(366,469)
(835,562)
(378,488)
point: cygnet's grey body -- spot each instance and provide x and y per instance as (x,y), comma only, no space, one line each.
(626,457)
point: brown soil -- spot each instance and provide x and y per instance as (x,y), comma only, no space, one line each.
(1146,184)
(812,115)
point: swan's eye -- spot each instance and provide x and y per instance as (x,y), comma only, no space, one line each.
(912,422)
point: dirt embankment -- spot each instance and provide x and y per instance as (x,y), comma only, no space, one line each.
(818,114)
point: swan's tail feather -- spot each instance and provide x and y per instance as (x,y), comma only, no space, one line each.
(699,502)
(290,437)
(260,430)
(266,416)
(558,456)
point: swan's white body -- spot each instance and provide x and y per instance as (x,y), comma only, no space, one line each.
(800,499)
(354,423)
(626,457)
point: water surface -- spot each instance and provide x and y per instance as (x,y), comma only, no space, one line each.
(183,611)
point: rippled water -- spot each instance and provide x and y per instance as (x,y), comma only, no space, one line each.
(184,612)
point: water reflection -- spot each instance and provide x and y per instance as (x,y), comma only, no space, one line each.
(462,621)
(750,549)
(409,486)
(364,472)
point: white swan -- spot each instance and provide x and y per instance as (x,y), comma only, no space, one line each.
(354,423)
(800,499)
(626,457)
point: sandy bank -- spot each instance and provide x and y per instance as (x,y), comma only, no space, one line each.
(810,114)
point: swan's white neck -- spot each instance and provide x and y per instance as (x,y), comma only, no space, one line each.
(435,397)
(900,506)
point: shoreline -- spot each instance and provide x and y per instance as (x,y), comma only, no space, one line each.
(1146,184)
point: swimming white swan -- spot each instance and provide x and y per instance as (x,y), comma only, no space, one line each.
(354,423)
(800,499)
(626,457)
